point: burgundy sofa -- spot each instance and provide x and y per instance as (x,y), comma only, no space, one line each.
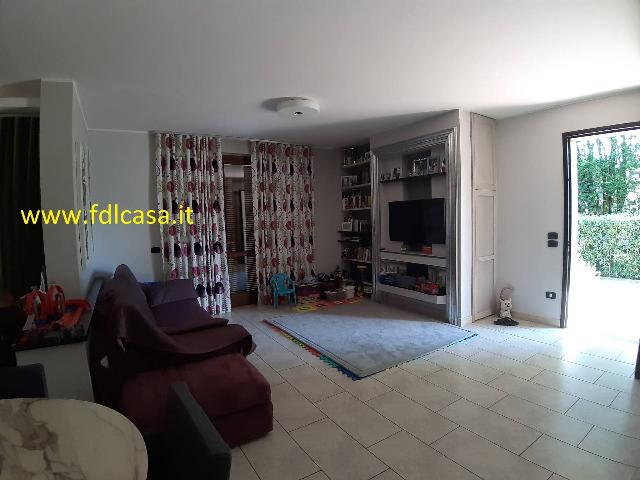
(143,338)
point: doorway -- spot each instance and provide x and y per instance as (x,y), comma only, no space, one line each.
(238,208)
(601,281)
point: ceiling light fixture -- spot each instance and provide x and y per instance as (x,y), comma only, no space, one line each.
(298,107)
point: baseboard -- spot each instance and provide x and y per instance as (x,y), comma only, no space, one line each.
(552,322)
(466,321)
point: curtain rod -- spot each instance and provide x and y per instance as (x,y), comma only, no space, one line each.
(241,139)
(214,135)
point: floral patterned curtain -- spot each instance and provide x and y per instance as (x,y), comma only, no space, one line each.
(190,173)
(282,180)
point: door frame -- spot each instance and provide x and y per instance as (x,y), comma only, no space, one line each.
(568,203)
(249,297)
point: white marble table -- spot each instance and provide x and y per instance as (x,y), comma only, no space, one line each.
(47,439)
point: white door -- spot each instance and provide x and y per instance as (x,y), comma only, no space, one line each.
(484,216)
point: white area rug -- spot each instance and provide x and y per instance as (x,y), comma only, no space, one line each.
(367,337)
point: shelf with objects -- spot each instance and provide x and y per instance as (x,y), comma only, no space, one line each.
(356,229)
(414,280)
(414,242)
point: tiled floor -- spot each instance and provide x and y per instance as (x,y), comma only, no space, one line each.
(527,402)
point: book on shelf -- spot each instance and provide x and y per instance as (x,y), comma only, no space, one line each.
(353,224)
(357,252)
(356,200)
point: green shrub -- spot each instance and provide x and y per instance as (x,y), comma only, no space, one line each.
(611,244)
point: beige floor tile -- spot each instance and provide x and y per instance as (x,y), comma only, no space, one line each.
(421,422)
(318,476)
(538,347)
(488,335)
(241,469)
(273,377)
(412,459)
(420,367)
(339,455)
(573,386)
(465,367)
(278,357)
(598,346)
(502,431)
(629,354)
(574,463)
(419,390)
(384,373)
(278,457)
(509,349)
(292,409)
(565,367)
(535,393)
(357,419)
(607,418)
(387,475)
(629,402)
(311,383)
(465,387)
(487,460)
(309,358)
(619,382)
(463,349)
(606,364)
(506,364)
(542,419)
(514,354)
(538,334)
(363,389)
(613,446)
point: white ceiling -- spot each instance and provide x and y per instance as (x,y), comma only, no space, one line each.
(210,65)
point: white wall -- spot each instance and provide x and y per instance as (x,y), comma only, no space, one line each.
(62,124)
(79,134)
(328,208)
(530,199)
(123,172)
(57,183)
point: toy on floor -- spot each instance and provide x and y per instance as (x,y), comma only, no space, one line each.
(506,305)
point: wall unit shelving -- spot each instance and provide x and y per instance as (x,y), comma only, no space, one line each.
(357,187)
(417,169)
(414,257)
(411,178)
(404,292)
(357,200)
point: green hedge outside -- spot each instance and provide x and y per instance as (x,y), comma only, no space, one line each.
(611,244)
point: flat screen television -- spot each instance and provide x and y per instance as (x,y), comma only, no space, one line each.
(417,222)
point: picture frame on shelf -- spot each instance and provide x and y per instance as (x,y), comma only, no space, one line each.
(434,165)
(420,167)
(349,180)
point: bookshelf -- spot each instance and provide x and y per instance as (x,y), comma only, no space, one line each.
(357,200)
